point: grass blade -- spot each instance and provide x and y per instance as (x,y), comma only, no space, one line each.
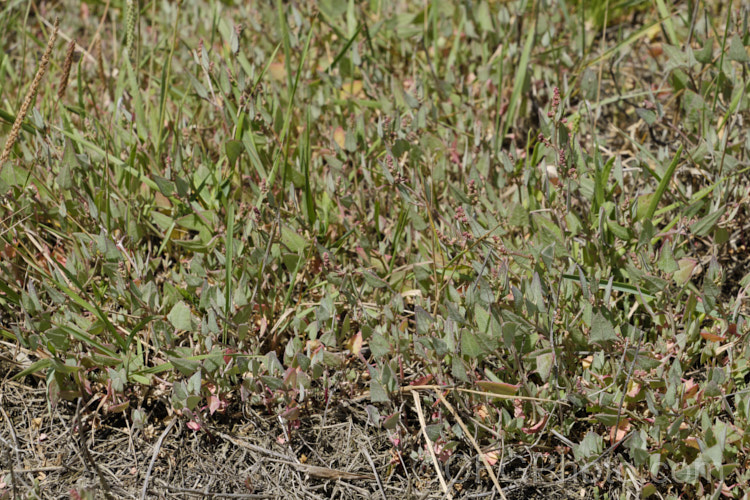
(663,184)
(520,80)
(228,267)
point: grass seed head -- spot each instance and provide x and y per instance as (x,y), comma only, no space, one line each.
(132,15)
(21,116)
(63,85)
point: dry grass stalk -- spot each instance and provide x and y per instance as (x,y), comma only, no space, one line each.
(474,443)
(21,116)
(100,62)
(430,447)
(100,69)
(66,69)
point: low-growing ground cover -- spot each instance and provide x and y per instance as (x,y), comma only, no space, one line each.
(488,249)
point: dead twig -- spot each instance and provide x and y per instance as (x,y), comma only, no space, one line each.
(324,472)
(153,456)
(474,443)
(412,388)
(252,447)
(430,448)
(9,459)
(11,446)
(87,455)
(208,494)
(374,471)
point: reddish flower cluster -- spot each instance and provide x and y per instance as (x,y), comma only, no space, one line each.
(555,102)
(461,215)
(471,189)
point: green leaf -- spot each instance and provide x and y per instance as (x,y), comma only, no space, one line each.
(234,149)
(378,393)
(615,285)
(520,78)
(685,272)
(69,162)
(135,90)
(482,317)
(662,187)
(666,18)
(180,316)
(470,345)
(643,203)
(164,222)
(590,446)
(601,329)
(458,370)
(292,240)
(332,8)
(197,86)
(705,54)
(391,422)
(484,17)
(704,226)
(646,115)
(737,51)
(424,320)
(197,222)
(373,280)
(379,345)
(434,431)
(619,231)
(38,366)
(691,473)
(500,388)
(544,364)
(166,187)
(666,261)
(535,293)
(187,367)
(711,291)
(608,419)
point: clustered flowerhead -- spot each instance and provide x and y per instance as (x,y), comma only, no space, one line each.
(199,50)
(90,127)
(390,164)
(461,215)
(562,160)
(389,135)
(329,265)
(499,245)
(472,191)
(555,102)
(445,239)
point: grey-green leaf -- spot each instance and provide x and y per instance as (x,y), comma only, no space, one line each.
(180,316)
(601,329)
